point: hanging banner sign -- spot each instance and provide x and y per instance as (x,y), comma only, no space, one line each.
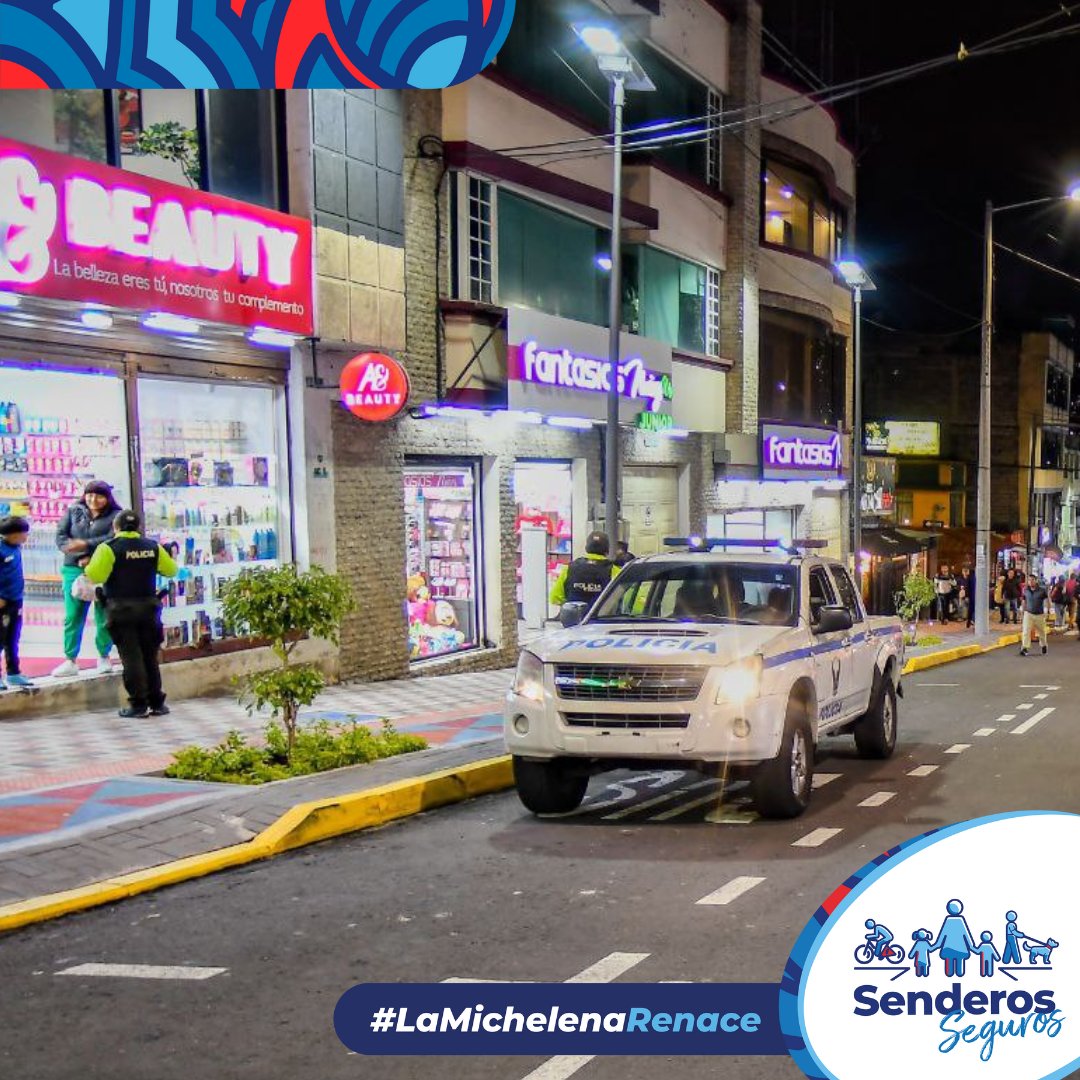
(74,230)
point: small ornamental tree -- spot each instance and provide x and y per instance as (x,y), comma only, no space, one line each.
(917,593)
(284,605)
(171,141)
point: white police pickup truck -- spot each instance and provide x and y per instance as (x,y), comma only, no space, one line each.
(732,663)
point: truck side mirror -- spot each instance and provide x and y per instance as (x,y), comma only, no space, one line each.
(573,613)
(832,619)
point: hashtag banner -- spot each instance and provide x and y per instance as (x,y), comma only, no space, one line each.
(248,43)
(559,1018)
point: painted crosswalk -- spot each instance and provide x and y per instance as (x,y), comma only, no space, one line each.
(730,892)
(879,798)
(816,838)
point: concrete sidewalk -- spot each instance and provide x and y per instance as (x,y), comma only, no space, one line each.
(160,821)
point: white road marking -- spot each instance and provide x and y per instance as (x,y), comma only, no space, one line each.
(816,838)
(1031,721)
(1026,705)
(1031,686)
(729,892)
(923,770)
(958,748)
(648,804)
(501,982)
(879,798)
(1040,697)
(1006,717)
(606,970)
(693,804)
(937,684)
(823,778)
(143,971)
(983,732)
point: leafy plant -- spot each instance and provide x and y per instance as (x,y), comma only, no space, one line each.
(284,605)
(917,593)
(321,747)
(929,639)
(171,141)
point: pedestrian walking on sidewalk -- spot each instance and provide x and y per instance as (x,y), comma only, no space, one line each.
(969,583)
(126,568)
(945,587)
(1010,592)
(13,534)
(999,596)
(1060,602)
(1070,600)
(1036,601)
(84,527)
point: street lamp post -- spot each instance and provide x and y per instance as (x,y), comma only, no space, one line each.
(623,73)
(983,550)
(859,281)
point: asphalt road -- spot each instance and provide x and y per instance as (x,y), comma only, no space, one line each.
(484,891)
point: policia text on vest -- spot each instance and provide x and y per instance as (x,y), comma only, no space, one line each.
(583,580)
(126,567)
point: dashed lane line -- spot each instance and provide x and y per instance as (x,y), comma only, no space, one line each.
(879,798)
(984,732)
(823,778)
(144,971)
(1040,697)
(731,891)
(1005,718)
(1026,705)
(958,748)
(923,770)
(816,838)
(1031,721)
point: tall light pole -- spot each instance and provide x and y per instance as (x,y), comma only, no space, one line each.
(623,73)
(983,551)
(859,281)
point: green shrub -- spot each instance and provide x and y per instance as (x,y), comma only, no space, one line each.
(318,748)
(930,639)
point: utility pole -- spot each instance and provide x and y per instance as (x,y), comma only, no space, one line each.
(612,464)
(983,552)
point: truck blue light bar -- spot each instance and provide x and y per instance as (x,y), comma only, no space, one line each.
(708,543)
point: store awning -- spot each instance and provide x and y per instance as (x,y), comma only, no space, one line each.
(888,543)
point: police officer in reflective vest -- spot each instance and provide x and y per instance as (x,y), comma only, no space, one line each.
(126,567)
(586,578)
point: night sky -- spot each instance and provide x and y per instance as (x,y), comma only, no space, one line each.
(932,149)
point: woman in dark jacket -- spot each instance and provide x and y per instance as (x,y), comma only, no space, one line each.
(86,524)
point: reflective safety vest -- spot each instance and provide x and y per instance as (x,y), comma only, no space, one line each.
(586,579)
(134,574)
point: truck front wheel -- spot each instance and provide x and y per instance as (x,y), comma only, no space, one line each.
(781,787)
(549,787)
(875,733)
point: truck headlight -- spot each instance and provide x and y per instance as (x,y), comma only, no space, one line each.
(529,678)
(739,682)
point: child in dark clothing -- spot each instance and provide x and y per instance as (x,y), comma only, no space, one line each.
(13,534)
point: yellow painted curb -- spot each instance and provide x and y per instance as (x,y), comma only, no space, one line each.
(306,823)
(961,652)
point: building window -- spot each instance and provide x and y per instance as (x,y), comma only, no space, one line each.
(1051,457)
(768,526)
(666,298)
(1057,388)
(798,213)
(242,118)
(481,241)
(549,261)
(712,313)
(68,121)
(802,367)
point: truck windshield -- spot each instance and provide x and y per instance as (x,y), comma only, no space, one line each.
(702,592)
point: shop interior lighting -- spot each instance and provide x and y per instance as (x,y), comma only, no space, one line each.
(603,262)
(275,339)
(170,324)
(96,320)
(577,423)
(9,300)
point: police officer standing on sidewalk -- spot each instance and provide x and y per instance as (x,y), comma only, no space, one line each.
(126,567)
(586,578)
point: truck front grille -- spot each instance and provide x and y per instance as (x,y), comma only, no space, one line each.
(610,682)
(629,721)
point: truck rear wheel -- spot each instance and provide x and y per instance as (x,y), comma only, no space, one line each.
(549,787)
(781,787)
(875,733)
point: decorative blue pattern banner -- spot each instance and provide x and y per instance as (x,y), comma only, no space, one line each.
(390,44)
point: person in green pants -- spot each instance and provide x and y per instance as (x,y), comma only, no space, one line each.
(87,524)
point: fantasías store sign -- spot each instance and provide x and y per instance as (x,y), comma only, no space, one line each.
(75,230)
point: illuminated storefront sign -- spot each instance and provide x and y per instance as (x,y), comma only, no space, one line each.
(790,452)
(914,438)
(374,387)
(560,367)
(75,230)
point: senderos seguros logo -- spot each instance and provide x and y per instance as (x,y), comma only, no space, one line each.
(955,955)
(379,44)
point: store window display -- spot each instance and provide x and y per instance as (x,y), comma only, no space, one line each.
(441,555)
(543,492)
(60,430)
(212,491)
